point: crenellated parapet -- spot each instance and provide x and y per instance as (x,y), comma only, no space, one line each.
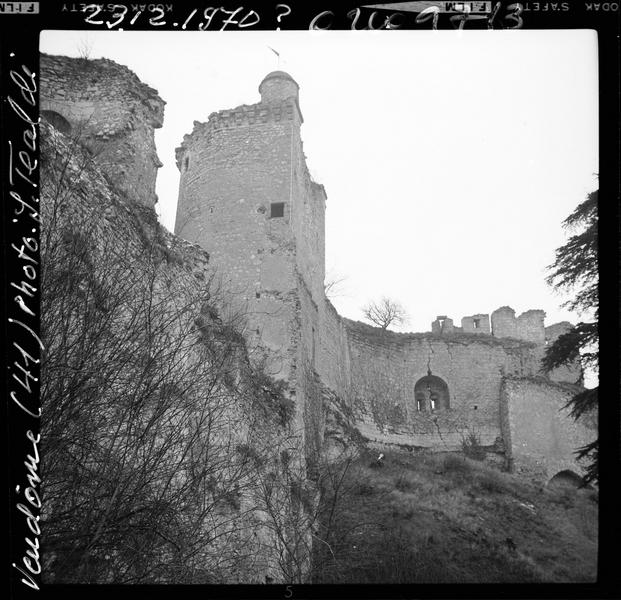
(278,109)
(256,113)
(242,116)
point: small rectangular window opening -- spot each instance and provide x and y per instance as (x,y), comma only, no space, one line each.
(477,323)
(277,209)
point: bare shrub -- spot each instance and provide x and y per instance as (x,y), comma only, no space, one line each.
(85,50)
(333,285)
(149,397)
(471,446)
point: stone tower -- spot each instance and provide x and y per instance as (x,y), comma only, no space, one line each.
(246,196)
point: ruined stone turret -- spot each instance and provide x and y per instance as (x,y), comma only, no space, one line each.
(109,110)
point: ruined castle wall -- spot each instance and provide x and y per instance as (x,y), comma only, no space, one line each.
(308,391)
(334,361)
(476,324)
(504,323)
(530,327)
(106,106)
(443,325)
(309,229)
(568,373)
(386,366)
(540,435)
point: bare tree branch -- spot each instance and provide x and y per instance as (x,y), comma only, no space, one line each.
(384,313)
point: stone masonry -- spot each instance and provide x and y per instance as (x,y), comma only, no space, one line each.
(106,107)
(247,198)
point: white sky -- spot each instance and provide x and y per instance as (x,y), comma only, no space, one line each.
(449,158)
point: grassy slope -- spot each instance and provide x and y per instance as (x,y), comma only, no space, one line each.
(448,519)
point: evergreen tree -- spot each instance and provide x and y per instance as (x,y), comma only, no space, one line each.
(575,269)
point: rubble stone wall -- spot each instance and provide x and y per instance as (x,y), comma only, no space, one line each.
(390,407)
(540,435)
(111,112)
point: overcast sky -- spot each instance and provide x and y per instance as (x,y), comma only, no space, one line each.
(449,158)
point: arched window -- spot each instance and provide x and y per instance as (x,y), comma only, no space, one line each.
(431,394)
(57,120)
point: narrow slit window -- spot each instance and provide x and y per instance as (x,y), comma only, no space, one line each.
(277,210)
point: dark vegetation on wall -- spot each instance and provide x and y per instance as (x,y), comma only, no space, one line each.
(575,270)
